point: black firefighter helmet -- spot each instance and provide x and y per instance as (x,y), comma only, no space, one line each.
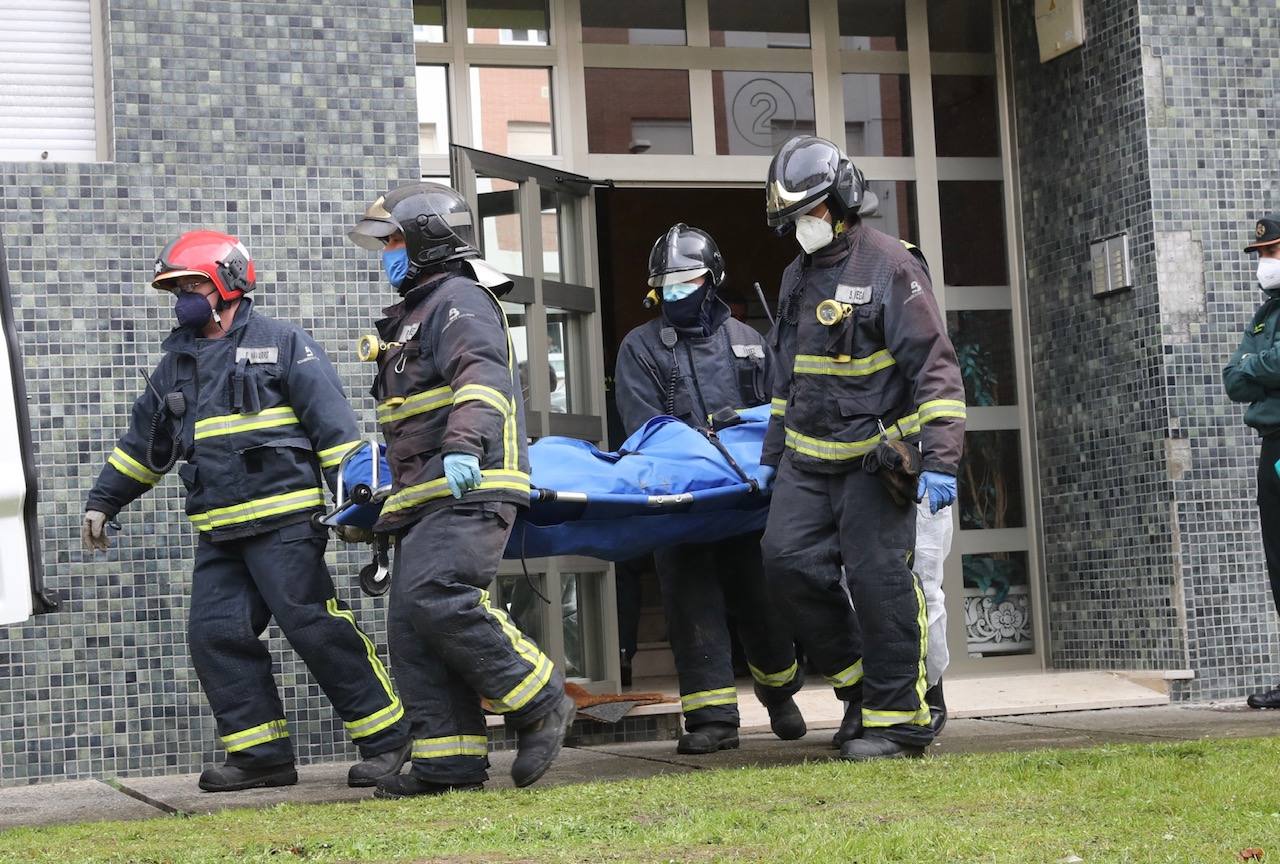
(683,254)
(434,219)
(806,172)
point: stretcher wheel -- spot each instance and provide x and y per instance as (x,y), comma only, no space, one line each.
(374,579)
(361,493)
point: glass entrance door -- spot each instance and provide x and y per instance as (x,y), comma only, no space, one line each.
(536,224)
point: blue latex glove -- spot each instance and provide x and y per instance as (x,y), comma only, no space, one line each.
(940,487)
(461,472)
(764,476)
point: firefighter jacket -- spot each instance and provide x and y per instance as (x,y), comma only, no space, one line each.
(888,359)
(695,375)
(447,383)
(1253,373)
(264,417)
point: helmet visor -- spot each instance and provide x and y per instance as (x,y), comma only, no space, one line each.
(676,277)
(372,234)
(800,176)
(374,227)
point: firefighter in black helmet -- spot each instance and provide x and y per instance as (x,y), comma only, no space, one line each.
(863,363)
(695,362)
(449,406)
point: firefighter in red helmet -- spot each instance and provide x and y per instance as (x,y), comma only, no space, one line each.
(256,414)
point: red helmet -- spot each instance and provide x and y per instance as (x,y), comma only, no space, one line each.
(219,257)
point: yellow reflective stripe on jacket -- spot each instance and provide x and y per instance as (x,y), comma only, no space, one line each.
(831,451)
(331,456)
(230,424)
(708,699)
(261,508)
(940,408)
(778,408)
(846,677)
(775,679)
(911,424)
(272,730)
(381,719)
(814,364)
(402,407)
(518,696)
(495,399)
(132,468)
(420,493)
(450,745)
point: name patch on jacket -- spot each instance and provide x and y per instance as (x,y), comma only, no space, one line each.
(856,295)
(258,355)
(744,351)
(408,331)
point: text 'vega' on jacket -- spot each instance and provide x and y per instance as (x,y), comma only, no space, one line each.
(888,359)
(449,385)
(731,368)
(1252,375)
(265,418)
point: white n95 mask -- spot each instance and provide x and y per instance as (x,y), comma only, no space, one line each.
(813,233)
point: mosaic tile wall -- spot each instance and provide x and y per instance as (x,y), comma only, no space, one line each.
(1101,409)
(1212,72)
(274,120)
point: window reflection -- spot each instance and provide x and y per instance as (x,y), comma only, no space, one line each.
(636,22)
(511,110)
(756,112)
(638,111)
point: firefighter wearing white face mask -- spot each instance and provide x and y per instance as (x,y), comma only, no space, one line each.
(862,358)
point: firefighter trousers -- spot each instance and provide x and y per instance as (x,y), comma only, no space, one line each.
(875,656)
(451,646)
(237,587)
(703,584)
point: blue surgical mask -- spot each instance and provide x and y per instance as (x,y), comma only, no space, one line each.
(395,263)
(192,311)
(679,291)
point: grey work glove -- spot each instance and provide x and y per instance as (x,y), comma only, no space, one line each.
(354,534)
(93,531)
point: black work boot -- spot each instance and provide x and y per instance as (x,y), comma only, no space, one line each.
(1265,698)
(409,786)
(785,718)
(538,744)
(850,726)
(233,778)
(872,746)
(368,772)
(708,739)
(937,708)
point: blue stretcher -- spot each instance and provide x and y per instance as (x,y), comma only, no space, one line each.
(667,484)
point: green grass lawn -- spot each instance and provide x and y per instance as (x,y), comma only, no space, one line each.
(1195,802)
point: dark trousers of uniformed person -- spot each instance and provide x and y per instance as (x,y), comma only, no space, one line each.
(1269,510)
(450,647)
(238,586)
(874,656)
(702,585)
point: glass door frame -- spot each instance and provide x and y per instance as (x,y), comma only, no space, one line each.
(576,291)
(568,57)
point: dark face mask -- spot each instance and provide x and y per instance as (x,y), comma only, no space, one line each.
(192,311)
(686,313)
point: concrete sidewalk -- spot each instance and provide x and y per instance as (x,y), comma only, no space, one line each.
(143,798)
